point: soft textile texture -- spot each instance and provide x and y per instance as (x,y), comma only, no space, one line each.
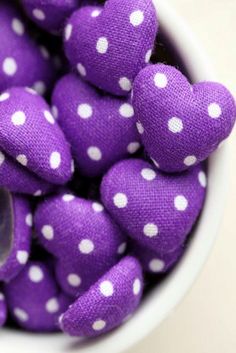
(107,303)
(18,227)
(22,62)
(111,45)
(31,136)
(82,237)
(101,129)
(34,299)
(3,309)
(180,124)
(155,209)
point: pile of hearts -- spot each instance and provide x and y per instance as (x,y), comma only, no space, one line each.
(102,168)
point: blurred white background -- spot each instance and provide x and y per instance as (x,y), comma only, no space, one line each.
(205,322)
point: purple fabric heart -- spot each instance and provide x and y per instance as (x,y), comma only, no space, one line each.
(34,299)
(49,14)
(107,303)
(111,45)
(180,124)
(31,136)
(3,309)
(82,237)
(16,228)
(101,129)
(22,62)
(155,209)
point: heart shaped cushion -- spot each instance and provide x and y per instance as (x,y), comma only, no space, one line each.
(180,124)
(107,303)
(155,209)
(82,237)
(34,300)
(31,136)
(111,45)
(101,129)
(3,309)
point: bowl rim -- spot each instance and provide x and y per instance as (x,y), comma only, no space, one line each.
(163,299)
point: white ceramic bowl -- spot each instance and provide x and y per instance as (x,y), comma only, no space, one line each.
(163,299)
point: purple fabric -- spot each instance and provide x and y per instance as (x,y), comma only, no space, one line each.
(110,45)
(30,135)
(101,129)
(50,14)
(22,62)
(34,299)
(180,124)
(107,303)
(155,209)
(82,237)
(3,309)
(16,227)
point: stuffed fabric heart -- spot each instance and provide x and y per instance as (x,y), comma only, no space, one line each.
(3,309)
(107,303)
(101,129)
(111,45)
(83,238)
(16,228)
(31,136)
(49,14)
(156,210)
(180,124)
(22,62)
(34,299)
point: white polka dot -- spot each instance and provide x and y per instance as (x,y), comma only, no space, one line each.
(38,193)
(125,84)
(95,13)
(122,248)
(86,246)
(160,80)
(22,256)
(52,306)
(81,69)
(21,315)
(44,52)
(68,31)
(148,174)
(48,116)
(98,325)
(68,197)
(72,167)
(30,90)
(18,118)
(106,288)
(155,163)
(190,160)
(22,159)
(9,66)
(202,179)
(39,87)
(55,112)
(4,96)
(181,203)
(97,207)
(35,274)
(156,265)
(133,147)
(150,230)
(2,297)
(29,219)
(17,26)
(136,18)
(94,153)
(175,125)
(136,286)
(2,158)
(85,111)
(48,232)
(148,56)
(126,110)
(102,45)
(214,110)
(139,127)
(120,200)
(39,14)
(74,280)
(55,160)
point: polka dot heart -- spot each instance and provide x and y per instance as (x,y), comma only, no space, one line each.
(184,132)
(155,209)
(111,62)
